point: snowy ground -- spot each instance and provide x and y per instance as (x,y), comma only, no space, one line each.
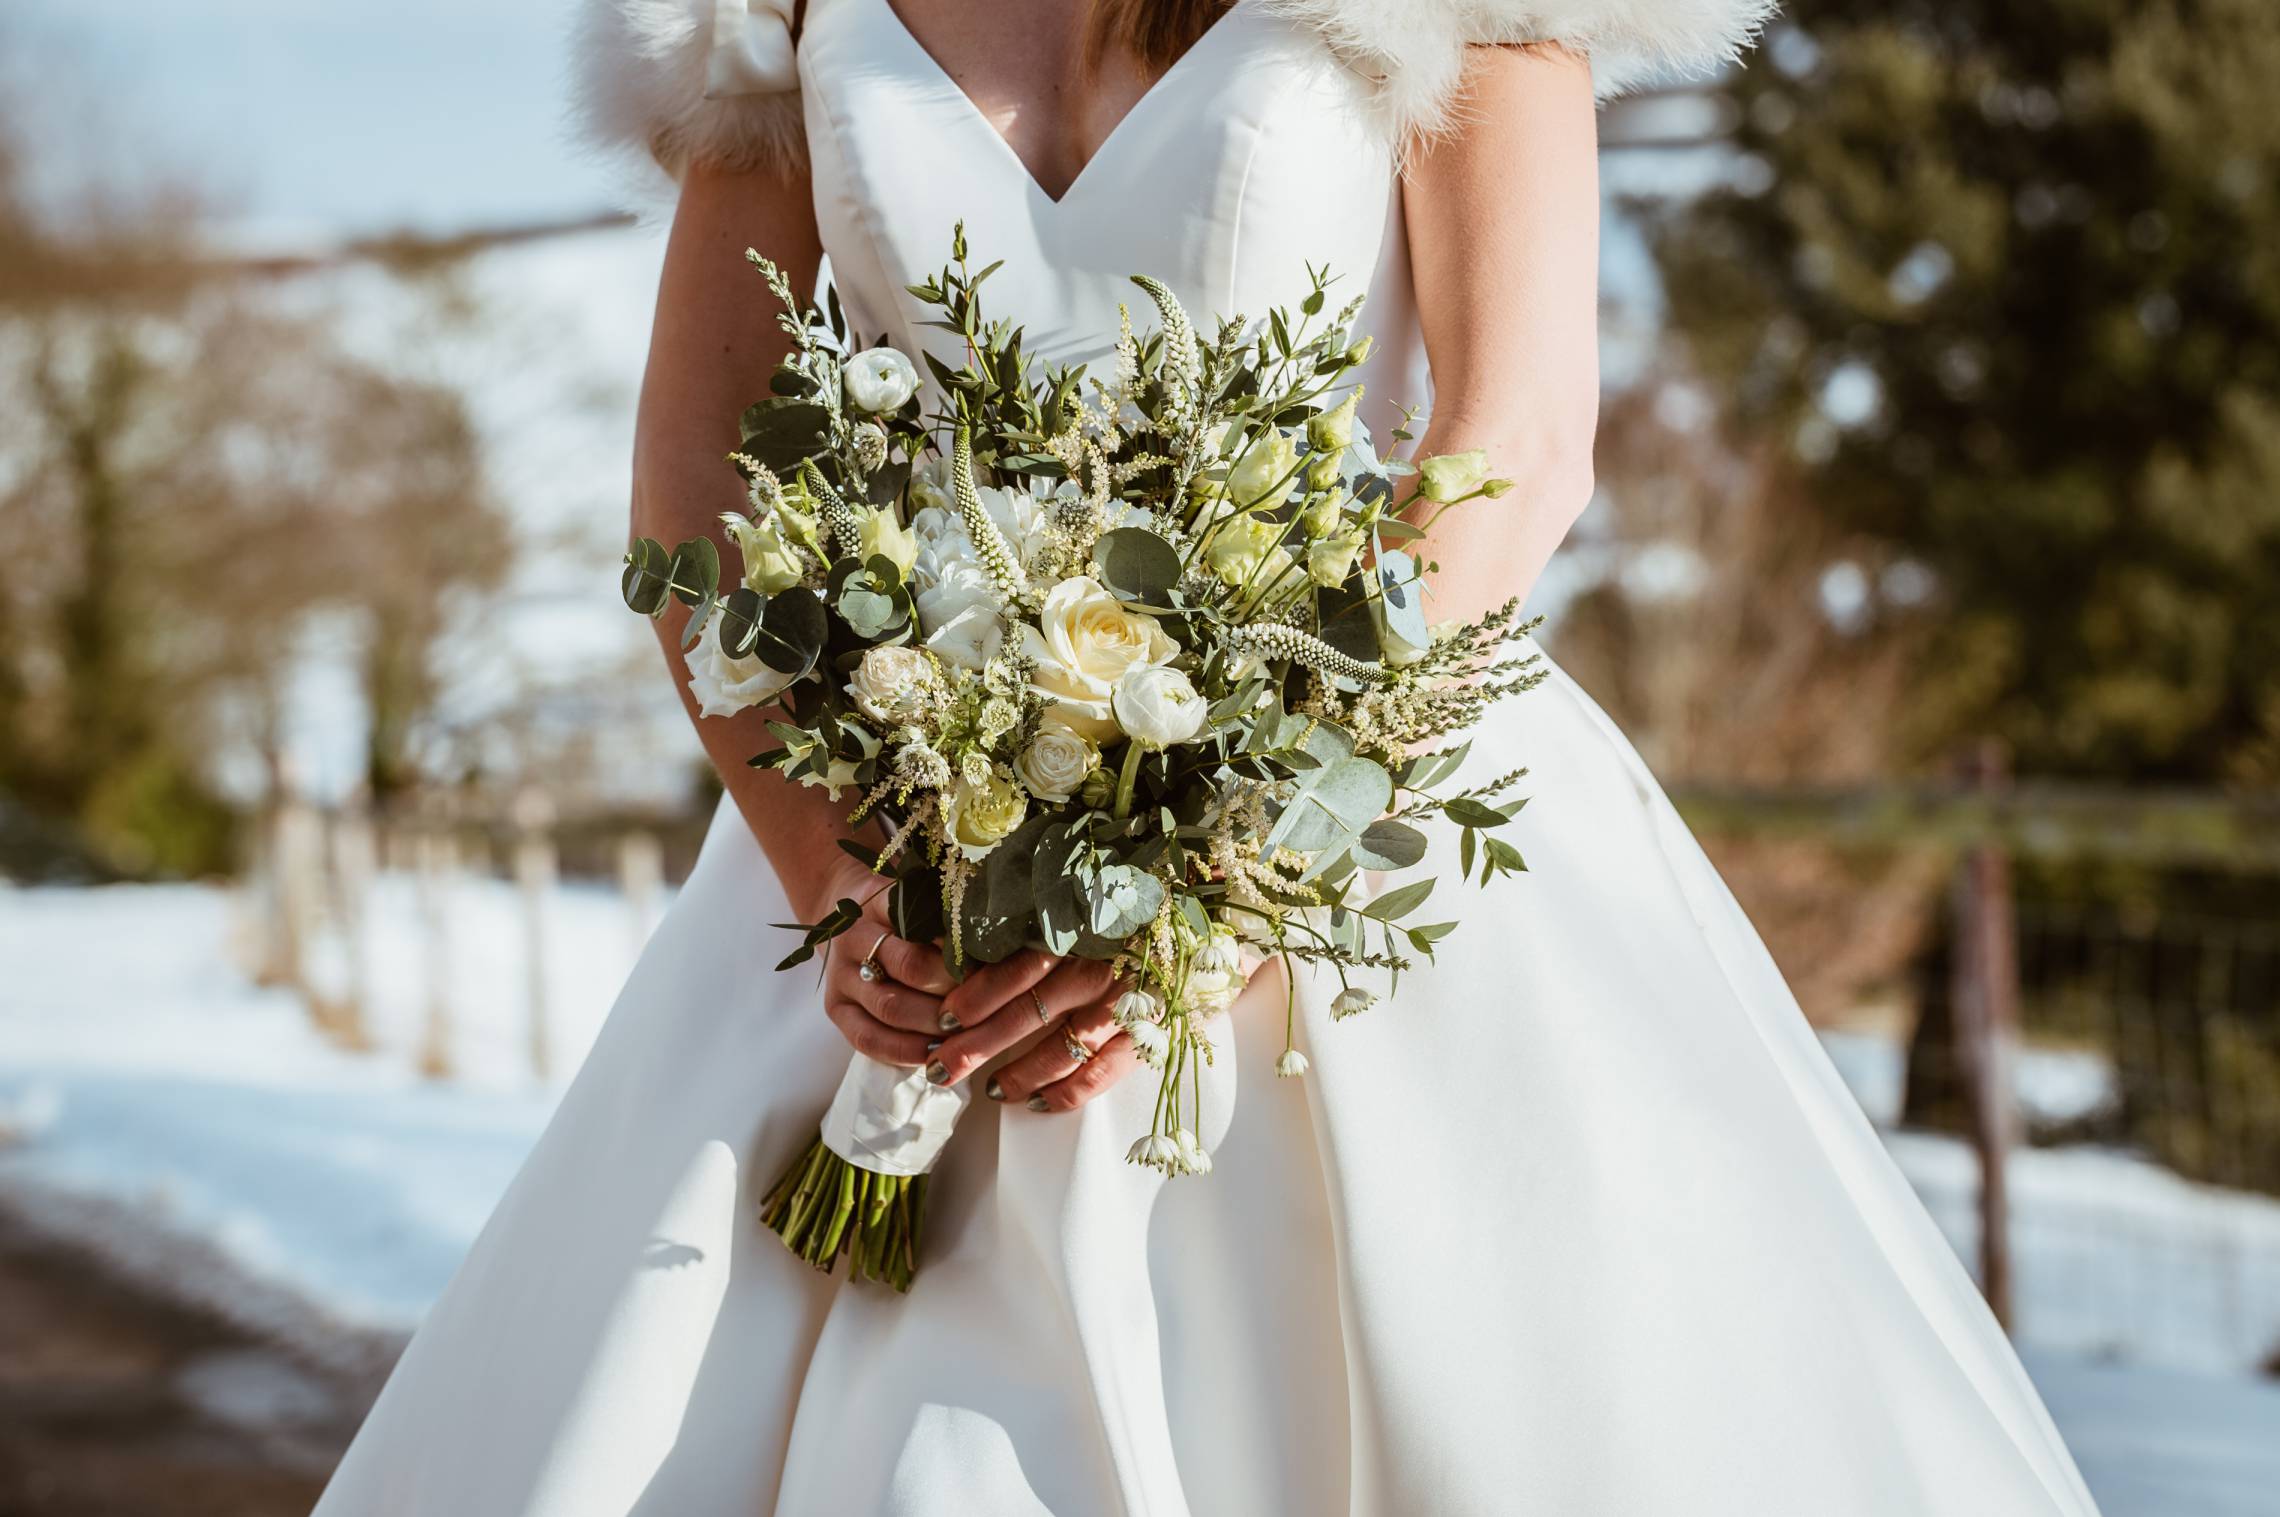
(141,1075)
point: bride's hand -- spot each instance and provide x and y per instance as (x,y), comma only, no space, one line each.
(894,1014)
(1054,1005)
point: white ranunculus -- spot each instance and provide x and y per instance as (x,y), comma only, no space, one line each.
(878,380)
(979,814)
(1083,642)
(892,684)
(724,686)
(1158,707)
(1056,762)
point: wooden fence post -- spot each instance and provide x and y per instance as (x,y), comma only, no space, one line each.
(1985,998)
(355,859)
(535,873)
(437,853)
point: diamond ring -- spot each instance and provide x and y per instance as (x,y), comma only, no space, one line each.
(1078,1053)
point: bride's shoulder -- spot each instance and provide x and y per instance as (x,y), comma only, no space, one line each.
(1414,49)
(691,81)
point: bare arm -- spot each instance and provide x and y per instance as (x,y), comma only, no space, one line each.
(1503,221)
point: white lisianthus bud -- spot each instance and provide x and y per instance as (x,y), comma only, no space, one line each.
(1330,560)
(1263,475)
(837,776)
(770,563)
(1291,1065)
(1240,547)
(878,380)
(1351,1002)
(1319,518)
(1451,476)
(979,816)
(1322,471)
(884,537)
(893,685)
(1055,763)
(1330,431)
(724,686)
(1135,1008)
(1158,707)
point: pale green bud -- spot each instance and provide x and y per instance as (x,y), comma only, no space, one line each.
(1263,476)
(1333,430)
(1322,471)
(1452,476)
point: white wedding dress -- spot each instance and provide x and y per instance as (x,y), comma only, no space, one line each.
(1581,1224)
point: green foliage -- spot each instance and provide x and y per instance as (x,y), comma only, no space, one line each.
(2031,253)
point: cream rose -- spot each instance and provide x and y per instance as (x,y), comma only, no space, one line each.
(980,815)
(892,684)
(878,380)
(1083,642)
(1239,550)
(1055,763)
(1157,707)
(724,686)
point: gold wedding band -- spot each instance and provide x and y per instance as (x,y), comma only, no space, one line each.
(1037,1004)
(1074,1044)
(871,970)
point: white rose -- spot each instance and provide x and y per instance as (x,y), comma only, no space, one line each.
(1056,762)
(878,380)
(980,814)
(892,684)
(1157,707)
(724,686)
(1084,641)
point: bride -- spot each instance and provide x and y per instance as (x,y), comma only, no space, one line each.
(1581,1224)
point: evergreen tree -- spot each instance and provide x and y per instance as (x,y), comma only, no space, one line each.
(2006,273)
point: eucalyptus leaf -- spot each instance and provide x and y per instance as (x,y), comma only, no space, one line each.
(793,627)
(648,576)
(696,571)
(1137,565)
(783,429)
(1331,805)
(740,612)
(1389,845)
(1122,900)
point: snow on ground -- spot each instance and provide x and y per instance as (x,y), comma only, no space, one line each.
(142,1074)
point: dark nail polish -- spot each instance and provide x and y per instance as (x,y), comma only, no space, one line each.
(937,1073)
(1037,1103)
(937,1043)
(993,1090)
(949,1022)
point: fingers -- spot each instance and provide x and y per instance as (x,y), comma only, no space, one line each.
(868,1035)
(1071,984)
(992,987)
(1046,1078)
(916,965)
(898,1006)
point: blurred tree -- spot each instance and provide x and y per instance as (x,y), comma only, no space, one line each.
(194,473)
(2006,279)
(1723,628)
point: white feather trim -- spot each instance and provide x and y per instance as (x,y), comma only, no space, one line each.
(690,81)
(1415,49)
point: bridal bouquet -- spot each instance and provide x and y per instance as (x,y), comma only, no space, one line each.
(1132,665)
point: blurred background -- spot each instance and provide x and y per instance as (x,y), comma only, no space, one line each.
(1936,569)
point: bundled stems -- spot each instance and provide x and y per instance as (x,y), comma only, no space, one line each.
(825,1207)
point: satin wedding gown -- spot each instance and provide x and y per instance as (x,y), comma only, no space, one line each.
(1581,1224)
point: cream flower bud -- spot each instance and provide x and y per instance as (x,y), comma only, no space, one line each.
(1158,707)
(1452,476)
(884,537)
(1239,549)
(1329,561)
(878,380)
(1333,430)
(1291,1065)
(770,562)
(1263,475)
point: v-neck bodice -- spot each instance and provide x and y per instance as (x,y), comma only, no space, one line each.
(1252,157)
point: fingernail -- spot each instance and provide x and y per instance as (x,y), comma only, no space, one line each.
(993,1090)
(937,1043)
(949,1022)
(937,1073)
(1037,1103)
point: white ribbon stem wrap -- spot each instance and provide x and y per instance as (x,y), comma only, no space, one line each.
(890,1120)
